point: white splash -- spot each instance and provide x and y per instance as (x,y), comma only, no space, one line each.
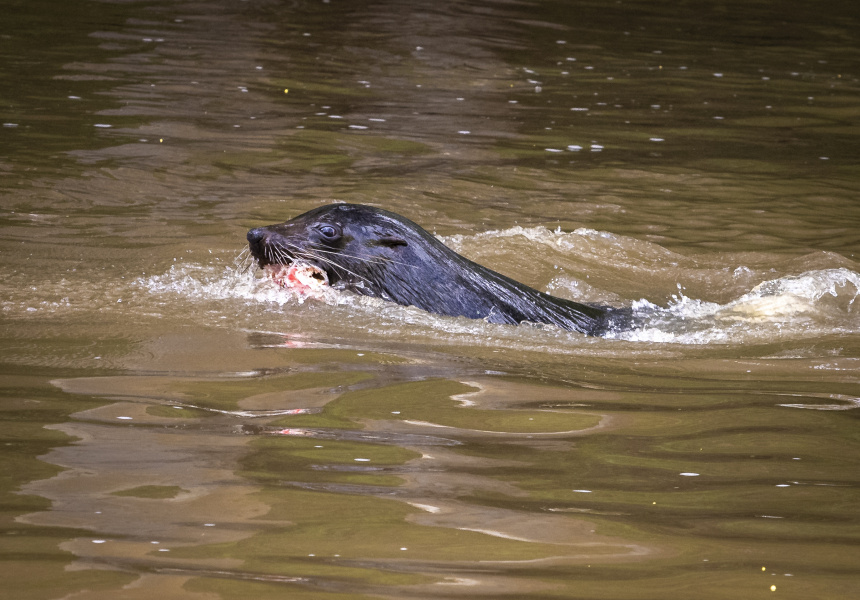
(198,281)
(813,303)
(810,303)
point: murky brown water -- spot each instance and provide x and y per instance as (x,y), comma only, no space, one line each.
(176,427)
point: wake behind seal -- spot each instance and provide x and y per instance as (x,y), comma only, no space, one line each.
(374,252)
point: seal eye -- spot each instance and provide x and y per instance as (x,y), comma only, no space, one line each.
(329,232)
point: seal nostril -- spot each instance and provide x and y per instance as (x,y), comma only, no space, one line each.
(256,235)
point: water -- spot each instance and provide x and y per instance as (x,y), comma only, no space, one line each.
(176,425)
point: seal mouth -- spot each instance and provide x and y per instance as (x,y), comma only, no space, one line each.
(299,275)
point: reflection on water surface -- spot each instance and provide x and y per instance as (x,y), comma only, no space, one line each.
(175,425)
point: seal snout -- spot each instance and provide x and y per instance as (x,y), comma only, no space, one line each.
(264,248)
(257,235)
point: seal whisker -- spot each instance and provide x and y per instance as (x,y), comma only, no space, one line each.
(243,266)
(280,255)
(244,261)
(323,259)
(308,253)
(377,260)
(311,256)
(277,254)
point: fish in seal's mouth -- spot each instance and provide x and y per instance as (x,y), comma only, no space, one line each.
(300,276)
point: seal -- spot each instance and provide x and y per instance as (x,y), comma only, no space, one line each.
(374,252)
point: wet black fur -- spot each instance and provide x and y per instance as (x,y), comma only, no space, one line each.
(377,253)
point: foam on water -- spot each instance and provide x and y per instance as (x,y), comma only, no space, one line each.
(581,242)
(199,281)
(813,303)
